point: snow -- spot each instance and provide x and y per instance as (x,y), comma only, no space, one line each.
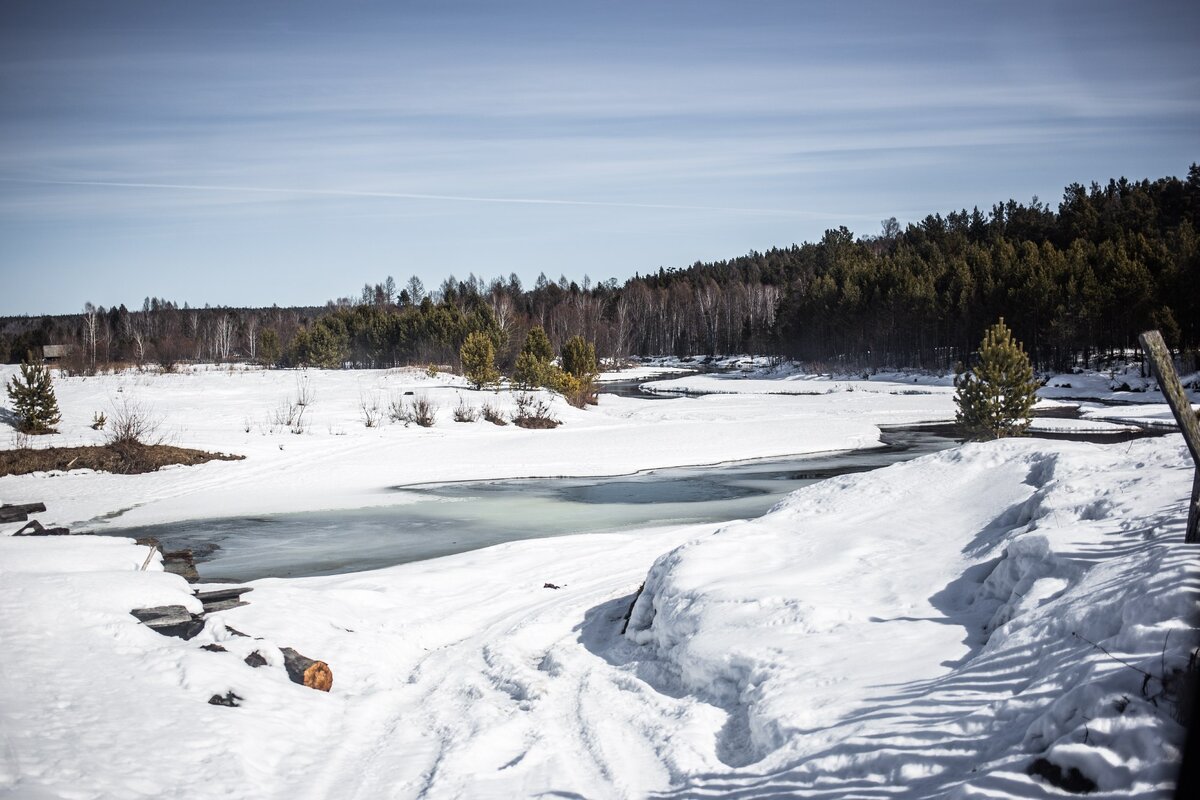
(924,630)
(934,609)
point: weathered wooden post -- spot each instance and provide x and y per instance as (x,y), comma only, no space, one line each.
(1168,380)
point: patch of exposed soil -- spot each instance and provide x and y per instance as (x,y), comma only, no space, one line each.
(121,459)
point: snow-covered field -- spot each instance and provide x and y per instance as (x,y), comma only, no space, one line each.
(930,629)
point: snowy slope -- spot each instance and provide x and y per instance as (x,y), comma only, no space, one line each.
(933,625)
(906,632)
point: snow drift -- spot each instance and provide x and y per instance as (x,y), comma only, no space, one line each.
(943,624)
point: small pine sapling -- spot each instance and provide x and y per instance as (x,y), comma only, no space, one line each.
(995,399)
(32,394)
(578,385)
(478,356)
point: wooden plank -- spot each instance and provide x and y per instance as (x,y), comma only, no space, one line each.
(19,512)
(221,594)
(1168,380)
(170,620)
(223,605)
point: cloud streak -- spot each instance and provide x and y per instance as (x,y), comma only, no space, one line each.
(352,193)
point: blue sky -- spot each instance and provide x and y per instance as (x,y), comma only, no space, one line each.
(238,153)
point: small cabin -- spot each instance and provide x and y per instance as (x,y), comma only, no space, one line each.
(53,353)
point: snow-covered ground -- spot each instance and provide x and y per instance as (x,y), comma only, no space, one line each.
(926,630)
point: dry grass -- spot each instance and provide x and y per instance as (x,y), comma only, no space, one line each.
(121,458)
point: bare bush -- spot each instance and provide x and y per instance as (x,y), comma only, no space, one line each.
(372,410)
(99,420)
(133,424)
(465,412)
(534,412)
(290,413)
(397,411)
(493,415)
(305,395)
(420,409)
(423,411)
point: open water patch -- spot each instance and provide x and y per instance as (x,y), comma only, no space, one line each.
(435,520)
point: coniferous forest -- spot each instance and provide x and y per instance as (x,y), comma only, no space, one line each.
(1075,283)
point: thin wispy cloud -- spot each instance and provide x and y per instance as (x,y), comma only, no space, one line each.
(417,196)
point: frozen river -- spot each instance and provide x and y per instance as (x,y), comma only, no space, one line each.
(441,519)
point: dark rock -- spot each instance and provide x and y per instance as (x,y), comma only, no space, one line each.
(1069,780)
(256,660)
(229,699)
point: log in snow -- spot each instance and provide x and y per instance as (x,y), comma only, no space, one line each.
(301,669)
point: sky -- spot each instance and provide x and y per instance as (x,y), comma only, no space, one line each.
(258,153)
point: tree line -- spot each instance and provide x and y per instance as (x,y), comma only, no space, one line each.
(1075,283)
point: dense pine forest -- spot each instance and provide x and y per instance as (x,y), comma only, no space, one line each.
(1075,284)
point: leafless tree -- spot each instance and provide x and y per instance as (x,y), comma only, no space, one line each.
(223,337)
(252,336)
(89,322)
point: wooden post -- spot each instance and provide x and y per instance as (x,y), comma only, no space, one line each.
(1168,380)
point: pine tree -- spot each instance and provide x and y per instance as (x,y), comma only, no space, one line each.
(577,383)
(533,366)
(530,372)
(269,350)
(579,357)
(33,398)
(996,398)
(479,360)
(537,344)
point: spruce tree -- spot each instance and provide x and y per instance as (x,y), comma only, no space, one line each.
(995,399)
(32,394)
(479,360)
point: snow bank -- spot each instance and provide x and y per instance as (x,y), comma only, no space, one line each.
(939,623)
